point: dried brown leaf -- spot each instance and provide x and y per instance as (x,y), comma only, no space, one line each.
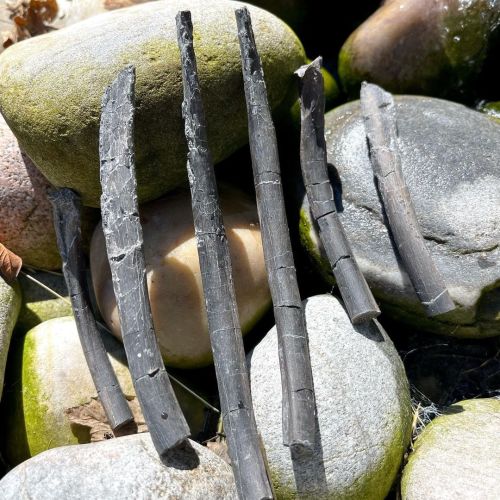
(10,264)
(21,19)
(90,418)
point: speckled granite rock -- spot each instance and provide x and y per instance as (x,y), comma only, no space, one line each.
(10,302)
(457,455)
(119,469)
(363,407)
(450,164)
(55,116)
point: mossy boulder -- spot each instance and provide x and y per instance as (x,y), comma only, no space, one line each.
(449,161)
(422,47)
(174,276)
(49,375)
(51,89)
(363,409)
(10,302)
(39,304)
(457,455)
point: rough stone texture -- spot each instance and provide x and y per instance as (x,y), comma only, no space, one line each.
(363,408)
(38,304)
(54,377)
(432,47)
(25,213)
(123,468)
(457,455)
(51,89)
(10,302)
(174,278)
(449,162)
(26,225)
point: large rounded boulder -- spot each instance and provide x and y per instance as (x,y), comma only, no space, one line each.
(430,47)
(449,159)
(127,467)
(363,408)
(174,277)
(457,455)
(51,89)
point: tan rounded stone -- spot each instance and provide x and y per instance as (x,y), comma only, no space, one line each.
(174,279)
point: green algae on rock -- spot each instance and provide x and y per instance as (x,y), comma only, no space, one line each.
(10,302)
(457,455)
(39,304)
(49,376)
(449,160)
(51,89)
(431,47)
(363,408)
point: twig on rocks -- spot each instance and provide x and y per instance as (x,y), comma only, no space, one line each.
(67,213)
(220,301)
(103,327)
(377,107)
(357,296)
(299,425)
(124,244)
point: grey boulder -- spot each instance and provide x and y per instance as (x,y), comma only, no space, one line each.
(450,164)
(121,468)
(363,408)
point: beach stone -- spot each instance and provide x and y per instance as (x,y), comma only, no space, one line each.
(431,47)
(26,221)
(49,375)
(38,304)
(56,114)
(10,302)
(174,277)
(457,455)
(449,161)
(125,468)
(363,408)
(26,226)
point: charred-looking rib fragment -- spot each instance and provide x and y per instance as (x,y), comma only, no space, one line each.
(299,425)
(124,245)
(379,114)
(215,263)
(357,296)
(67,215)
